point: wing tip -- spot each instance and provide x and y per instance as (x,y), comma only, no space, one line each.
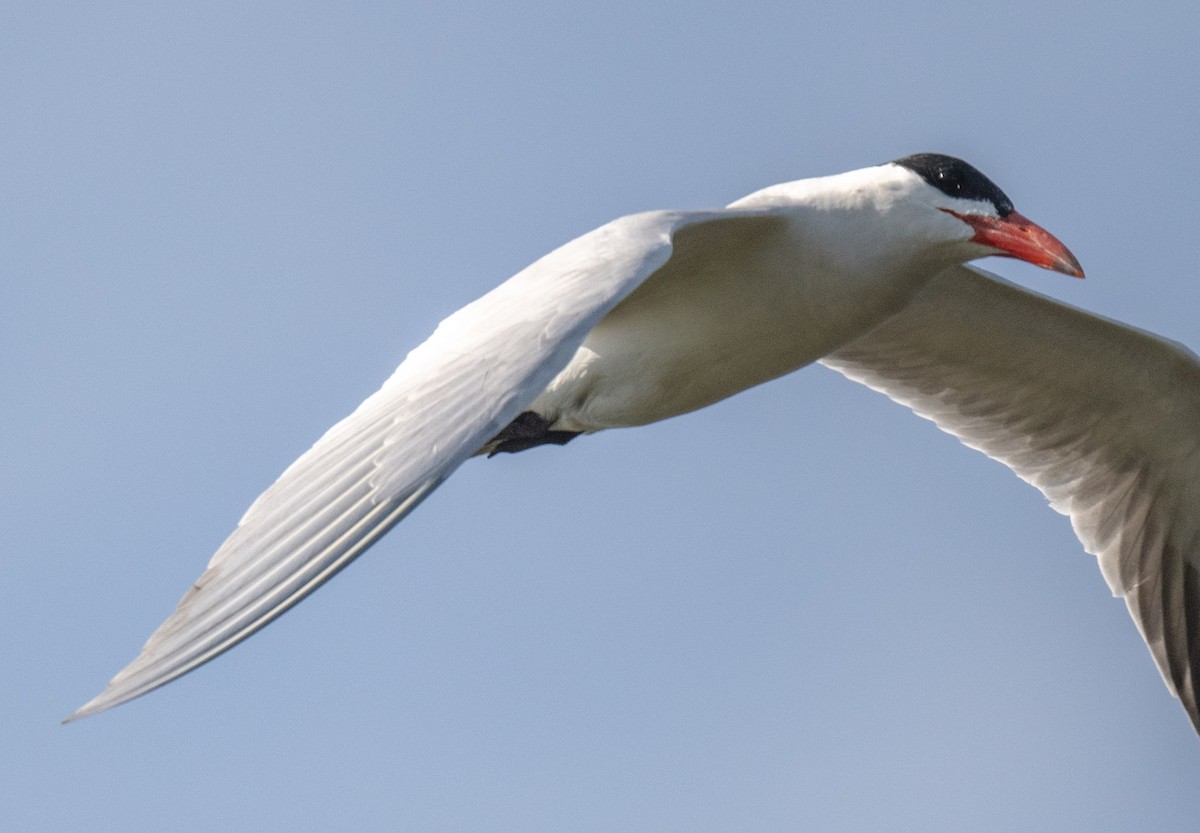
(118,691)
(99,703)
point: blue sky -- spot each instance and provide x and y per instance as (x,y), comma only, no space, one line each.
(222,226)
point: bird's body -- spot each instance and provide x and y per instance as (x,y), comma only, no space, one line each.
(657,314)
(749,295)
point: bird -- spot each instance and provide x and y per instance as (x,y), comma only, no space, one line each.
(660,313)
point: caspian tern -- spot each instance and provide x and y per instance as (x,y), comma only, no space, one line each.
(657,314)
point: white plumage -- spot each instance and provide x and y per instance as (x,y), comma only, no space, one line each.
(660,313)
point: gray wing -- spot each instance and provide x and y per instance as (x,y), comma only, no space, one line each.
(1104,419)
(478,370)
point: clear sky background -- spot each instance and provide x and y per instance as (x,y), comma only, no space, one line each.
(222,225)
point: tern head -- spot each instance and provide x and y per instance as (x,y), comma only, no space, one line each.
(913,216)
(987,222)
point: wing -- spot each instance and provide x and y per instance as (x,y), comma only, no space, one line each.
(478,370)
(1103,418)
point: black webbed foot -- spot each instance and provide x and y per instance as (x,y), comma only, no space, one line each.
(526,431)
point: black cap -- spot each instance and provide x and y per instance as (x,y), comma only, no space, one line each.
(955,178)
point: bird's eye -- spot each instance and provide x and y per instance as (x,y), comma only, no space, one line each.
(955,178)
(950,183)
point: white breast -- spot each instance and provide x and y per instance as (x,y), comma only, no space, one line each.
(739,302)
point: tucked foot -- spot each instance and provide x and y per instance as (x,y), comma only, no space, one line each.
(526,431)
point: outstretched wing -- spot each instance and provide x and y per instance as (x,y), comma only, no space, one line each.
(478,370)
(1103,418)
